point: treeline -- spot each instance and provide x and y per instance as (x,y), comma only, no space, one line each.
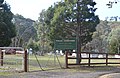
(64,19)
(60,21)
(67,19)
(106,38)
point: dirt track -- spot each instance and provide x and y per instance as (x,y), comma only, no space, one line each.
(92,72)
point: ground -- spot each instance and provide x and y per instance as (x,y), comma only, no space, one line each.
(81,72)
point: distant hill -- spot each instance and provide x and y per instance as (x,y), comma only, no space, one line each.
(24,28)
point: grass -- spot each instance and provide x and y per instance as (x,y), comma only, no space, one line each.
(6,73)
(51,64)
(47,62)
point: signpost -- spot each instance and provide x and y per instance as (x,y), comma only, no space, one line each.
(65,44)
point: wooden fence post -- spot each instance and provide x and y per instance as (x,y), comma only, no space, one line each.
(66,59)
(1,57)
(106,59)
(89,60)
(25,61)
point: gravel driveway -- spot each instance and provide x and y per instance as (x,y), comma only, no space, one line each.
(70,73)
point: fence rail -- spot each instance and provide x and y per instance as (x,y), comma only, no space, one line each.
(24,57)
(107,57)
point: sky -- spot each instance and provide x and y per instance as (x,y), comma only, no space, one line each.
(32,8)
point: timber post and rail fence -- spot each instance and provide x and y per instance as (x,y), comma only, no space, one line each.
(25,57)
(89,58)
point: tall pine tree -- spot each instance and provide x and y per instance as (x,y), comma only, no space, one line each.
(75,18)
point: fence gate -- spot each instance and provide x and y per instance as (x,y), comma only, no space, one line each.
(48,61)
(13,59)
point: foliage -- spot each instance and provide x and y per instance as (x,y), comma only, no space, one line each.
(24,29)
(100,36)
(113,18)
(32,44)
(114,40)
(68,14)
(42,31)
(106,37)
(7,29)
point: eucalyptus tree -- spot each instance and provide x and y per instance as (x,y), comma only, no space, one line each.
(100,36)
(42,31)
(7,29)
(114,40)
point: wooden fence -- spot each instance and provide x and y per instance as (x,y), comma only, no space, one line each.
(89,57)
(25,56)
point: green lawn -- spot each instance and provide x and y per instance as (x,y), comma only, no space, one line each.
(15,62)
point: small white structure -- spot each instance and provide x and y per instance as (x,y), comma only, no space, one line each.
(61,53)
(29,51)
(93,55)
(117,56)
(100,56)
(84,55)
(74,55)
(50,53)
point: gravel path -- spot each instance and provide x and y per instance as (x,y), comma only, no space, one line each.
(69,73)
(45,74)
(111,75)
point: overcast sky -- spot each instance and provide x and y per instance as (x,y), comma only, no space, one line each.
(32,8)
